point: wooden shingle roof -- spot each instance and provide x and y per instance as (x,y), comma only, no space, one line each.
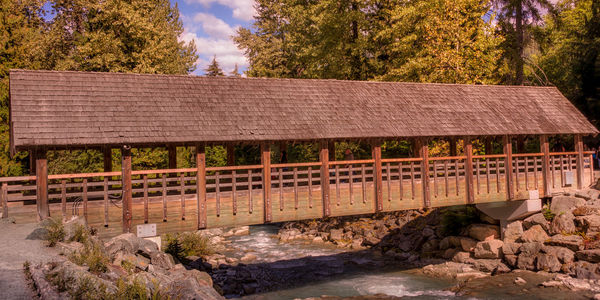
(80,109)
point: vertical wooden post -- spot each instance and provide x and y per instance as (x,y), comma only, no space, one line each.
(508,166)
(424,154)
(452,147)
(417,148)
(41,179)
(377,176)
(265,158)
(546,176)
(324,158)
(201,185)
(107,153)
(32,166)
(579,149)
(172,156)
(4,200)
(230,155)
(469,190)
(488,146)
(331,149)
(127,189)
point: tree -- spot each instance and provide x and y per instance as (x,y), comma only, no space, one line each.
(235,72)
(213,68)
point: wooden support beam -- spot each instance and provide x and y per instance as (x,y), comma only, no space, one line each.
(127,188)
(230,155)
(508,167)
(172,157)
(417,148)
(424,154)
(32,167)
(265,158)
(453,151)
(324,158)
(41,177)
(521,144)
(201,185)
(470,191)
(579,168)
(377,176)
(107,153)
(331,149)
(546,175)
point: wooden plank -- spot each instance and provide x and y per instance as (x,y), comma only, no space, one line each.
(526,159)
(497,175)
(296,188)
(412,179)
(592,181)
(63,197)
(552,167)
(324,158)
(508,168)
(377,177)
(250,204)
(82,175)
(145,199)
(234,193)
(477,175)
(266,179)
(452,147)
(469,191)
(41,173)
(456,176)
(4,200)
(435,184)
(535,172)
(425,174)
(164,198)
(579,168)
(562,171)
(105,190)
(127,188)
(517,166)
(338,198)
(85,199)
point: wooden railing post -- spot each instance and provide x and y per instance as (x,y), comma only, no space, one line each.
(324,158)
(469,189)
(201,185)
(377,176)
(4,200)
(41,180)
(127,188)
(546,176)
(452,147)
(265,158)
(107,153)
(172,156)
(424,154)
(508,166)
(579,150)
(230,154)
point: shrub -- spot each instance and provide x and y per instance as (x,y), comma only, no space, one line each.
(81,235)
(131,291)
(87,289)
(187,244)
(548,214)
(91,256)
(128,266)
(56,231)
(454,219)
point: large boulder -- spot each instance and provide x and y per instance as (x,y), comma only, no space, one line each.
(484,232)
(450,242)
(531,249)
(589,223)
(489,249)
(74,225)
(547,262)
(537,219)
(526,262)
(534,234)
(513,231)
(467,244)
(571,242)
(586,211)
(127,243)
(590,255)
(586,270)
(336,234)
(563,223)
(564,255)
(162,260)
(563,204)
(509,248)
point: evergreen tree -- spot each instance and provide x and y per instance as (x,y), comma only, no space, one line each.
(213,68)
(235,72)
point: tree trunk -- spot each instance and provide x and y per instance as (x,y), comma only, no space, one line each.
(519,43)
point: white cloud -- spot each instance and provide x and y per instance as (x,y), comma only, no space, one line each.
(226,51)
(241,9)
(213,26)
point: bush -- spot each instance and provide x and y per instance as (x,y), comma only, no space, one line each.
(134,290)
(455,219)
(87,289)
(548,214)
(91,256)
(81,235)
(187,244)
(56,231)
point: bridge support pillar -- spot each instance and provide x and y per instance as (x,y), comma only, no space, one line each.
(453,147)
(41,182)
(509,211)
(127,189)
(424,154)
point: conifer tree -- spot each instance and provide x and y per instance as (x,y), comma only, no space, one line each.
(213,68)
(235,72)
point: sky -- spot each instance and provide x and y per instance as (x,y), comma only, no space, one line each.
(210,25)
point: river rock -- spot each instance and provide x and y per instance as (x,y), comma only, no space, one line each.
(547,262)
(452,270)
(509,248)
(513,231)
(531,249)
(72,226)
(483,232)
(336,234)
(243,230)
(526,261)
(572,242)
(511,260)
(162,260)
(138,261)
(520,281)
(564,255)
(591,255)
(586,270)
(430,246)
(534,234)
(461,257)
(537,219)
(127,243)
(467,244)
(586,211)
(563,223)
(490,266)
(489,249)
(450,242)
(249,257)
(563,204)
(589,223)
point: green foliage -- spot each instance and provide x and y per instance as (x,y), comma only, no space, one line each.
(214,69)
(548,214)
(454,219)
(88,289)
(92,256)
(56,231)
(81,235)
(128,266)
(186,244)
(134,290)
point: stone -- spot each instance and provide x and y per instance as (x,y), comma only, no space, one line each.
(162,260)
(249,257)
(534,234)
(461,257)
(501,269)
(526,262)
(531,249)
(537,219)
(430,246)
(489,249)
(483,232)
(427,232)
(201,277)
(243,230)
(68,248)
(509,248)
(590,255)
(147,247)
(586,211)
(547,262)
(511,260)
(72,226)
(552,283)
(586,270)
(563,224)
(520,281)
(140,262)
(563,204)
(513,231)
(336,234)
(571,242)
(564,255)
(590,223)
(450,253)
(127,243)
(357,243)
(318,240)
(467,244)
(452,270)
(489,265)
(488,219)
(450,242)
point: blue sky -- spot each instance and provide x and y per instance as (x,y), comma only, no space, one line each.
(210,24)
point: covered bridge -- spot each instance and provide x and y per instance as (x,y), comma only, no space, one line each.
(52,110)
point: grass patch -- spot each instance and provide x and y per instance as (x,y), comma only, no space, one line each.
(56,231)
(187,244)
(87,289)
(91,256)
(81,235)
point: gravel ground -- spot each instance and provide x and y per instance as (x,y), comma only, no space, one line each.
(19,243)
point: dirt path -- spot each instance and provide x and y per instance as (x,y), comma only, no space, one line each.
(19,243)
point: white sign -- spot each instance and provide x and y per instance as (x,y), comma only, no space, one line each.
(146,230)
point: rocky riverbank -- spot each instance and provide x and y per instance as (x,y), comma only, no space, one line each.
(562,241)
